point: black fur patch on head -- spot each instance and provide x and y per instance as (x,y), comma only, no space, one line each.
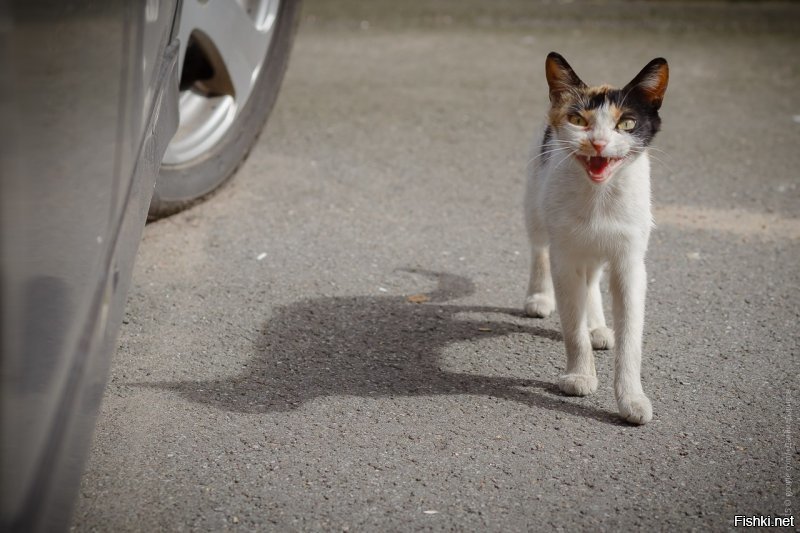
(646,116)
(630,103)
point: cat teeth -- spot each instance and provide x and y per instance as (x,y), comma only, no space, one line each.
(599,168)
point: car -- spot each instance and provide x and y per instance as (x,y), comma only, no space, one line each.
(113,112)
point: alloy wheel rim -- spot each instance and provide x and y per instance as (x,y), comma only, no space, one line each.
(223,44)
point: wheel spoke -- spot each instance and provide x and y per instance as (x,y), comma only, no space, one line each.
(237,38)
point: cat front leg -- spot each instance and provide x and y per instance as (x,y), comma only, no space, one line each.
(601,336)
(570,286)
(540,300)
(628,283)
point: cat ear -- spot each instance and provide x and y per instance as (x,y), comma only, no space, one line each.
(652,81)
(560,76)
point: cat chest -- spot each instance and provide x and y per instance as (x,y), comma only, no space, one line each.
(599,234)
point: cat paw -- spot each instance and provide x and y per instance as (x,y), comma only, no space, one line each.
(577,384)
(602,338)
(635,409)
(539,305)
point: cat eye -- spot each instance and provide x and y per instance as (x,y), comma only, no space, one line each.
(626,124)
(577,120)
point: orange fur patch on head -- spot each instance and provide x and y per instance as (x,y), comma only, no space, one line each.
(561,108)
(598,90)
(615,112)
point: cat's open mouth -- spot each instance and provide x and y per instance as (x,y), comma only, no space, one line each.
(599,168)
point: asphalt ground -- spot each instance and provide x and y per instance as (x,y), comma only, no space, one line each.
(274,375)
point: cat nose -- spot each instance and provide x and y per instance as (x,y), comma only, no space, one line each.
(599,145)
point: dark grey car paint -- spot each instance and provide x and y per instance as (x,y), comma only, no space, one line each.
(88,100)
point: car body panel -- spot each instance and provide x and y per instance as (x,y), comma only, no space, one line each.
(88,96)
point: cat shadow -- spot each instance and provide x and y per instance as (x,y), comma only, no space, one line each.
(375,346)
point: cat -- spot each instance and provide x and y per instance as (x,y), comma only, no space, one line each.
(587,205)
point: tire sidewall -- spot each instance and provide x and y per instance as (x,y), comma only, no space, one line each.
(178,186)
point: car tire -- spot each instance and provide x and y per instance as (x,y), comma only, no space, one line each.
(181,184)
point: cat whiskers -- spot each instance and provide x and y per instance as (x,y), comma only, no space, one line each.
(655,158)
(659,150)
(544,153)
(570,154)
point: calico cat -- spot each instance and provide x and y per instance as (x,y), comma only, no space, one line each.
(587,205)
